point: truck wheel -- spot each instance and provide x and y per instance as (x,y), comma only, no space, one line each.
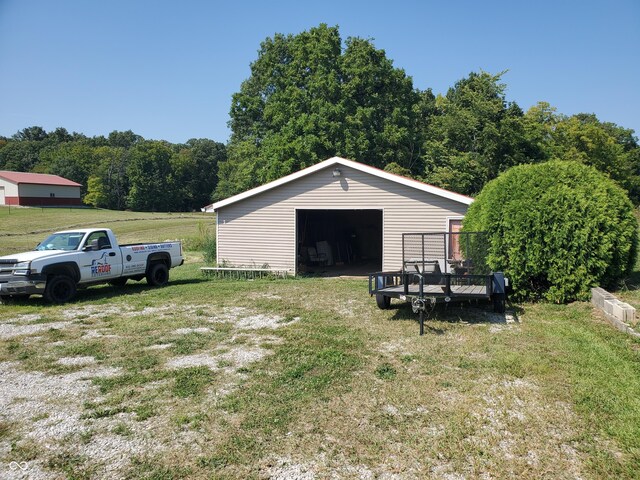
(383,301)
(158,274)
(5,299)
(119,282)
(59,289)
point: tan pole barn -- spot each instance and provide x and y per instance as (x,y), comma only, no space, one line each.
(337,215)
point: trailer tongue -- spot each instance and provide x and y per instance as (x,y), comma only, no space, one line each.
(440,267)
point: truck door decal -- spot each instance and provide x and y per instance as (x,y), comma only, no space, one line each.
(100,266)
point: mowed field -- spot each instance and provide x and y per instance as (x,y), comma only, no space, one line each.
(23,228)
(304,379)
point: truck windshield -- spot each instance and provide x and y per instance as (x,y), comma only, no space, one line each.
(61,241)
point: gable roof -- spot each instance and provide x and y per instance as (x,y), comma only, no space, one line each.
(37,178)
(409,182)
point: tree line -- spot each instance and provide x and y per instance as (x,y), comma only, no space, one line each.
(123,170)
(311,96)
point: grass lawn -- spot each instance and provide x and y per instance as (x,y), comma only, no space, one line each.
(22,229)
(287,378)
(306,378)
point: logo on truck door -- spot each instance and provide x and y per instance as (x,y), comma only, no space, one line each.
(100,266)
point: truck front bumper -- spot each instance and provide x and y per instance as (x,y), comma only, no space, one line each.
(23,285)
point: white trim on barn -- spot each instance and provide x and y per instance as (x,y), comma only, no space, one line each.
(425,187)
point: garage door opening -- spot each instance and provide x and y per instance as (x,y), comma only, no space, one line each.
(339,242)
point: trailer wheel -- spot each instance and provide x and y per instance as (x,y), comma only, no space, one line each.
(383,301)
(499,302)
(59,289)
(158,274)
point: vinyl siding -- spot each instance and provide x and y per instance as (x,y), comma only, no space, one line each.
(261,229)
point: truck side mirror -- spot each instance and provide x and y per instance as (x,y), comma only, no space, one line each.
(91,246)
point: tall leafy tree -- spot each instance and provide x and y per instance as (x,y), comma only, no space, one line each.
(206,155)
(308,99)
(20,156)
(72,160)
(109,185)
(606,146)
(31,134)
(195,168)
(474,135)
(96,193)
(151,177)
(124,139)
(379,103)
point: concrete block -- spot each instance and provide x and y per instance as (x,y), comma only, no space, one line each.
(609,305)
(620,314)
(599,295)
(617,310)
(620,310)
(627,313)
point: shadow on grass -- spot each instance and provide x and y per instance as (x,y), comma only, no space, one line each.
(632,282)
(131,288)
(480,312)
(108,291)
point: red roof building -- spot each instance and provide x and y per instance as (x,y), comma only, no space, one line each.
(37,189)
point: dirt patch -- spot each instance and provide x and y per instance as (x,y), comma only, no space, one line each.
(24,318)
(65,416)
(46,410)
(348,308)
(186,331)
(325,466)
(159,346)
(10,330)
(287,469)
(236,357)
(511,411)
(103,311)
(91,333)
(240,357)
(243,319)
(76,361)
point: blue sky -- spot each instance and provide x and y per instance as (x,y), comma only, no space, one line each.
(167,69)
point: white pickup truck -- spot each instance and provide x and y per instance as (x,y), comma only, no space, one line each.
(72,259)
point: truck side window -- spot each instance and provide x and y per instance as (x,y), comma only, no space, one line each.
(101,238)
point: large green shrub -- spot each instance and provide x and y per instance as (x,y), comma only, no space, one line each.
(556,229)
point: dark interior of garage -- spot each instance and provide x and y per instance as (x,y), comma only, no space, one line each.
(339,242)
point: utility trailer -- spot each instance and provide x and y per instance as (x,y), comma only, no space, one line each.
(440,267)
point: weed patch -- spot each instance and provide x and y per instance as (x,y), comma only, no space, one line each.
(189,343)
(71,464)
(191,381)
(110,384)
(386,371)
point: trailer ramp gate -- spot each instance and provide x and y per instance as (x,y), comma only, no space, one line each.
(440,267)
